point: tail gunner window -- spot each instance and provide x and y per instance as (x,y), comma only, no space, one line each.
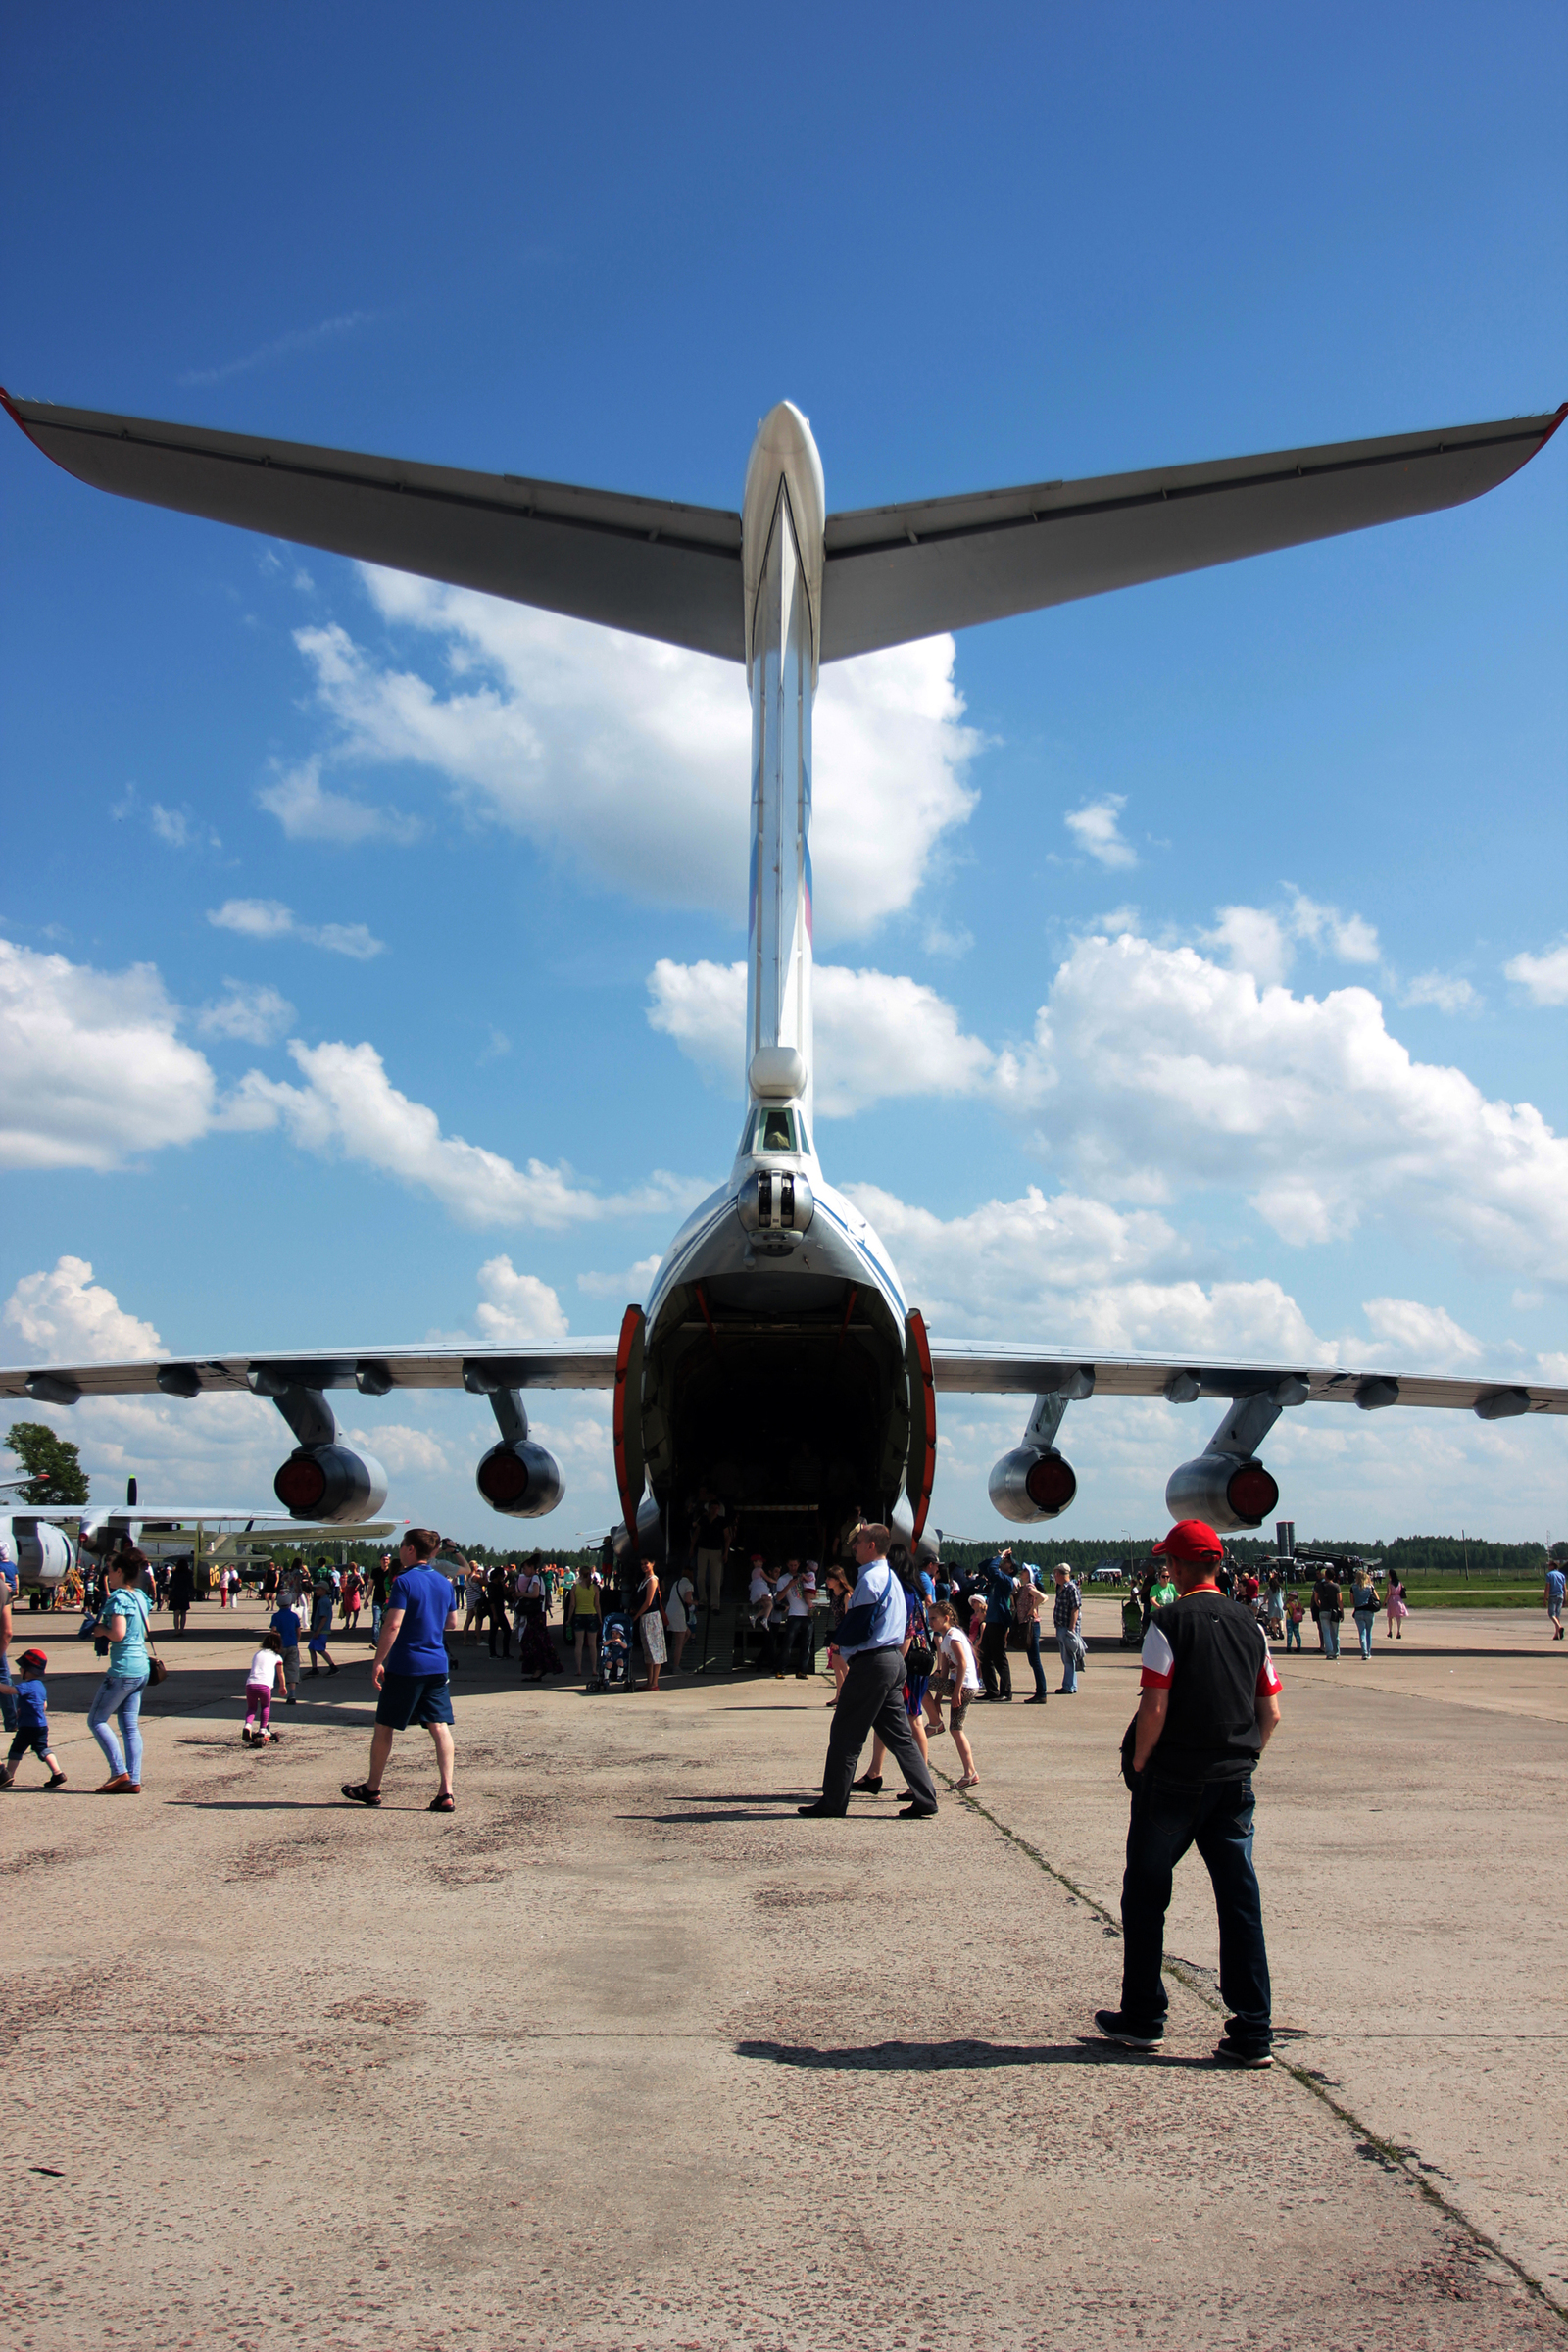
(775,1132)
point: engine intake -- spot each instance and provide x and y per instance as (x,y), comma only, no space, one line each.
(520,1479)
(1224,1490)
(1033,1481)
(331,1484)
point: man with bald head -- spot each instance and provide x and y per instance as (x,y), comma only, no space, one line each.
(873,1637)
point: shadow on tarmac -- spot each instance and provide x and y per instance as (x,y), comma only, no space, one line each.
(947,2057)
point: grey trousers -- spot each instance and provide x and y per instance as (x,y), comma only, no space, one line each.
(872,1701)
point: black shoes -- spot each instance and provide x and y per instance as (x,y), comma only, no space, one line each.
(819,1812)
(1111,2023)
(1242,2053)
(871,1783)
(1038,1701)
(917,1812)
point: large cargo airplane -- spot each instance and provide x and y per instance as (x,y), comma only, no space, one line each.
(776,1359)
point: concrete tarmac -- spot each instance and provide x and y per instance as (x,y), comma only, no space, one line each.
(625,2053)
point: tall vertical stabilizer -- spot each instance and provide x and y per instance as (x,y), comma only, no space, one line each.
(782,525)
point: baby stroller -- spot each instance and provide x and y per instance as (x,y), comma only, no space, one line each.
(1132,1623)
(615,1663)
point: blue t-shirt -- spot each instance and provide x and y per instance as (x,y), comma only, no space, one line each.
(128,1655)
(33,1705)
(286,1626)
(425,1597)
(1557,1584)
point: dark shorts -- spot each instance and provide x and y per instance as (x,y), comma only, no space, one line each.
(30,1737)
(957,1710)
(413,1699)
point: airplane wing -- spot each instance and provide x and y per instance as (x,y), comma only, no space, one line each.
(1182,1380)
(898,572)
(647,564)
(673,572)
(375,1372)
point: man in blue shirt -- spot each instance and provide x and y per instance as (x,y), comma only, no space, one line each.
(872,1638)
(411,1669)
(995,1582)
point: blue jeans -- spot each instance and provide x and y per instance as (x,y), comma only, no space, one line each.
(118,1697)
(8,1705)
(1329,1634)
(1215,1816)
(1363,1628)
(1293,1637)
(1070,1662)
(1032,1648)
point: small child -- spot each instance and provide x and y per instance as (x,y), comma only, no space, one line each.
(977,1624)
(615,1646)
(32,1722)
(1295,1611)
(955,1656)
(263,1676)
(322,1604)
(286,1626)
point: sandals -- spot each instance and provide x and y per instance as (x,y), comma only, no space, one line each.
(446,1802)
(970,1780)
(359,1793)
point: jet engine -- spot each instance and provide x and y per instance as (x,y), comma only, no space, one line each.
(1033,1481)
(42,1550)
(331,1484)
(521,1479)
(1225,1490)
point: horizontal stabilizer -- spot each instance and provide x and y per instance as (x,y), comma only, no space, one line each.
(899,572)
(640,564)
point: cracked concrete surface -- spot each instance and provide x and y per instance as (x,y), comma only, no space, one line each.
(625,2053)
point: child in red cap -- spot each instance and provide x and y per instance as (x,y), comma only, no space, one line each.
(32,1722)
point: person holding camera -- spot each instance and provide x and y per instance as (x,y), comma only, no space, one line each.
(1208,1708)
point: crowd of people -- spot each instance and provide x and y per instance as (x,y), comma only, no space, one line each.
(958,1629)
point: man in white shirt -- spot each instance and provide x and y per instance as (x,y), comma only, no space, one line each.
(872,1638)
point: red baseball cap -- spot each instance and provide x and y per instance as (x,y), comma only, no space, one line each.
(1190,1540)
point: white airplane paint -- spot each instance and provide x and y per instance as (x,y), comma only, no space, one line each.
(777,1359)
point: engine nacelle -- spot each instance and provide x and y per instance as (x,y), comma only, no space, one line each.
(331,1484)
(1224,1490)
(42,1550)
(1033,1481)
(521,1479)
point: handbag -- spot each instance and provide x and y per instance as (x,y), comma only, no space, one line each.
(157,1671)
(917,1661)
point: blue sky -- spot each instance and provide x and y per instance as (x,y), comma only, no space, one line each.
(1284,827)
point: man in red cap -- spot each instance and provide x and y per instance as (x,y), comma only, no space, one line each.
(1209,1704)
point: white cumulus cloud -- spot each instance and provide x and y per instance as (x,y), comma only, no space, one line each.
(877,1034)
(268,918)
(64,1316)
(1446,990)
(1544,978)
(348,1108)
(309,811)
(91,1070)
(255,1015)
(516,1307)
(631,759)
(1097,829)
